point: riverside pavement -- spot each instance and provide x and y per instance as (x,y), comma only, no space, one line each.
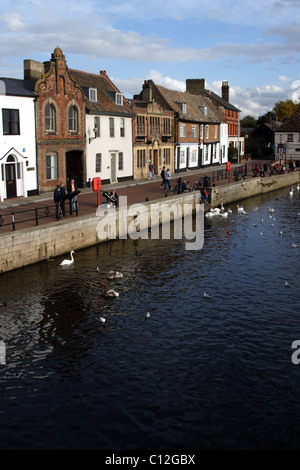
(137,191)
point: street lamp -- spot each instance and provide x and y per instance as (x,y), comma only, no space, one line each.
(95,130)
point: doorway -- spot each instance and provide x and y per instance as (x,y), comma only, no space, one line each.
(74,167)
(10,177)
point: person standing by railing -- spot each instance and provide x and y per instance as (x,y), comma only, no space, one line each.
(58,200)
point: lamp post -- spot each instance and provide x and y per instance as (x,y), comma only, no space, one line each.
(95,130)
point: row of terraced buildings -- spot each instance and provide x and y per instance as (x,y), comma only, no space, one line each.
(58,123)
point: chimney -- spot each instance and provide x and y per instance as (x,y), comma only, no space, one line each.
(225,91)
(147,91)
(33,70)
(195,86)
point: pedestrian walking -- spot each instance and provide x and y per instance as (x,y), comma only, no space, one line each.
(162,174)
(151,171)
(168,179)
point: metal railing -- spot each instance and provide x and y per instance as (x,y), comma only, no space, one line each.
(35,214)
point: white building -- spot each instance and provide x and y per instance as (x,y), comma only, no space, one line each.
(287,139)
(18,175)
(109,151)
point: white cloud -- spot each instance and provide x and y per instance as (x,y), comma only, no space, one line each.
(12,22)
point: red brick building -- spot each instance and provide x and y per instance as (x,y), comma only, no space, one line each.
(60,120)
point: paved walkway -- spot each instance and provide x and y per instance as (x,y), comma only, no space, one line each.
(136,191)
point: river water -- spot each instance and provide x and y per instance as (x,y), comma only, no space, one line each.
(198,374)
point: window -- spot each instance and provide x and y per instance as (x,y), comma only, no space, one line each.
(111,127)
(290,138)
(194,131)
(141,158)
(206,131)
(182,157)
(98,163)
(167,126)
(97,126)
(73,119)
(119,99)
(122,127)
(201,131)
(216,131)
(49,118)
(184,108)
(154,125)
(93,94)
(206,153)
(11,122)
(167,154)
(51,167)
(121,161)
(140,125)
(182,130)
(194,156)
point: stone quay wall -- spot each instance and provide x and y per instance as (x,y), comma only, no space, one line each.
(24,247)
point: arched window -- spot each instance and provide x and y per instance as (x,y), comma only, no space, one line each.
(50,124)
(73,119)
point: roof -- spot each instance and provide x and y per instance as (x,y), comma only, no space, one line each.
(292,124)
(194,105)
(106,91)
(221,101)
(17,87)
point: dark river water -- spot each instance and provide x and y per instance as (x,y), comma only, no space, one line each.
(198,374)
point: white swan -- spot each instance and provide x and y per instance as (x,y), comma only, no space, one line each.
(287,285)
(241,210)
(114,275)
(102,320)
(147,315)
(66,262)
(112,293)
(291,191)
(224,214)
(271,210)
(298,187)
(206,296)
(294,245)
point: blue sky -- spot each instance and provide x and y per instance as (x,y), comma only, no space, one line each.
(255,46)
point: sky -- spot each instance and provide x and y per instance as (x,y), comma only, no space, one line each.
(253,45)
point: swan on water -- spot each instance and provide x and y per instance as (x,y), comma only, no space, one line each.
(287,284)
(294,245)
(102,320)
(114,275)
(147,315)
(112,293)
(206,296)
(291,191)
(241,210)
(66,262)
(281,233)
(271,210)
(98,270)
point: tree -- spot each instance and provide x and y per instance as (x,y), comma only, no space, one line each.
(284,109)
(248,121)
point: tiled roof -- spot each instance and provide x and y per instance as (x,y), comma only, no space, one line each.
(105,93)
(194,105)
(221,101)
(292,124)
(17,87)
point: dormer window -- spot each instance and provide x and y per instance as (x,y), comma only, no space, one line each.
(119,99)
(93,94)
(184,108)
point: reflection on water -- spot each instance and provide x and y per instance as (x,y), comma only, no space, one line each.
(198,374)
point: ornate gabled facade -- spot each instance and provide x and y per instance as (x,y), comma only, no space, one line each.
(60,122)
(153,134)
